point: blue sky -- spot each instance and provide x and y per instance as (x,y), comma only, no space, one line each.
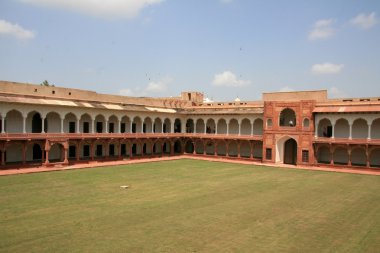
(224,48)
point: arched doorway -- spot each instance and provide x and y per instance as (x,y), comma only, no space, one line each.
(37,152)
(36,123)
(290,152)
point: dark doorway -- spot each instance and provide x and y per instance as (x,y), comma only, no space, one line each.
(177,147)
(72,151)
(134,149)
(133,127)
(144,128)
(112,150)
(37,152)
(290,152)
(71,127)
(99,150)
(123,150)
(86,150)
(144,149)
(189,147)
(122,126)
(111,127)
(177,126)
(86,127)
(99,127)
(36,123)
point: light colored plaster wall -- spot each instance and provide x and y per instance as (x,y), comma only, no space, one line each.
(14,153)
(258,127)
(245,127)
(14,122)
(340,156)
(360,129)
(342,129)
(53,123)
(233,127)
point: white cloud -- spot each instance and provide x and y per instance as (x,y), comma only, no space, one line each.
(364,21)
(286,89)
(15,30)
(322,29)
(153,88)
(98,8)
(326,68)
(334,92)
(229,79)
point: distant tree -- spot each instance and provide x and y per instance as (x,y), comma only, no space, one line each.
(46,83)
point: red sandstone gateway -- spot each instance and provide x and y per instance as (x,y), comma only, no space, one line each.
(52,125)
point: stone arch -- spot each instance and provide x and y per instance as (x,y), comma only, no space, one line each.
(125,124)
(210,147)
(257,151)
(13,153)
(245,127)
(147,125)
(167,126)
(199,147)
(56,153)
(358,157)
(340,156)
(100,123)
(233,149)
(53,122)
(189,126)
(233,126)
(288,118)
(70,123)
(34,122)
(13,122)
(360,129)
(306,123)
(258,127)
(137,125)
(286,150)
(324,155)
(374,158)
(113,124)
(157,125)
(189,147)
(210,126)
(221,149)
(324,128)
(200,126)
(85,123)
(341,128)
(375,129)
(222,126)
(245,149)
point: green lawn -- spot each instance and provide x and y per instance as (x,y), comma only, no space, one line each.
(189,206)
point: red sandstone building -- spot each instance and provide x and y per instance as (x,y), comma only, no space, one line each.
(52,125)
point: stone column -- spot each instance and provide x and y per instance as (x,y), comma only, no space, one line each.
(2,124)
(216,127)
(369,132)
(239,126)
(92,126)
(252,127)
(24,153)
(62,119)
(65,161)
(24,124)
(238,148)
(316,130)
(205,130)
(118,126)
(333,130)
(78,126)
(228,127)
(106,127)
(350,135)
(153,130)
(43,125)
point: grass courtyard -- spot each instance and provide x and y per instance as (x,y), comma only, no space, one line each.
(189,206)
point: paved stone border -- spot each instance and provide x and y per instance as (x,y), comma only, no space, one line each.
(94,164)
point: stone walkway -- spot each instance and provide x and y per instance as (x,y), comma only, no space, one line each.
(93,164)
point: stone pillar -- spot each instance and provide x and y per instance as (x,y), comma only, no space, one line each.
(205,130)
(142,127)
(333,130)
(65,161)
(92,126)
(252,127)
(228,127)
(24,124)
(106,127)
(62,119)
(251,146)
(78,126)
(238,148)
(130,127)
(92,151)
(162,127)
(215,148)
(172,127)
(153,130)
(227,149)
(77,151)
(2,124)
(349,156)
(43,126)
(47,157)
(118,126)
(216,127)
(239,126)
(369,132)
(350,135)
(316,130)
(24,153)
